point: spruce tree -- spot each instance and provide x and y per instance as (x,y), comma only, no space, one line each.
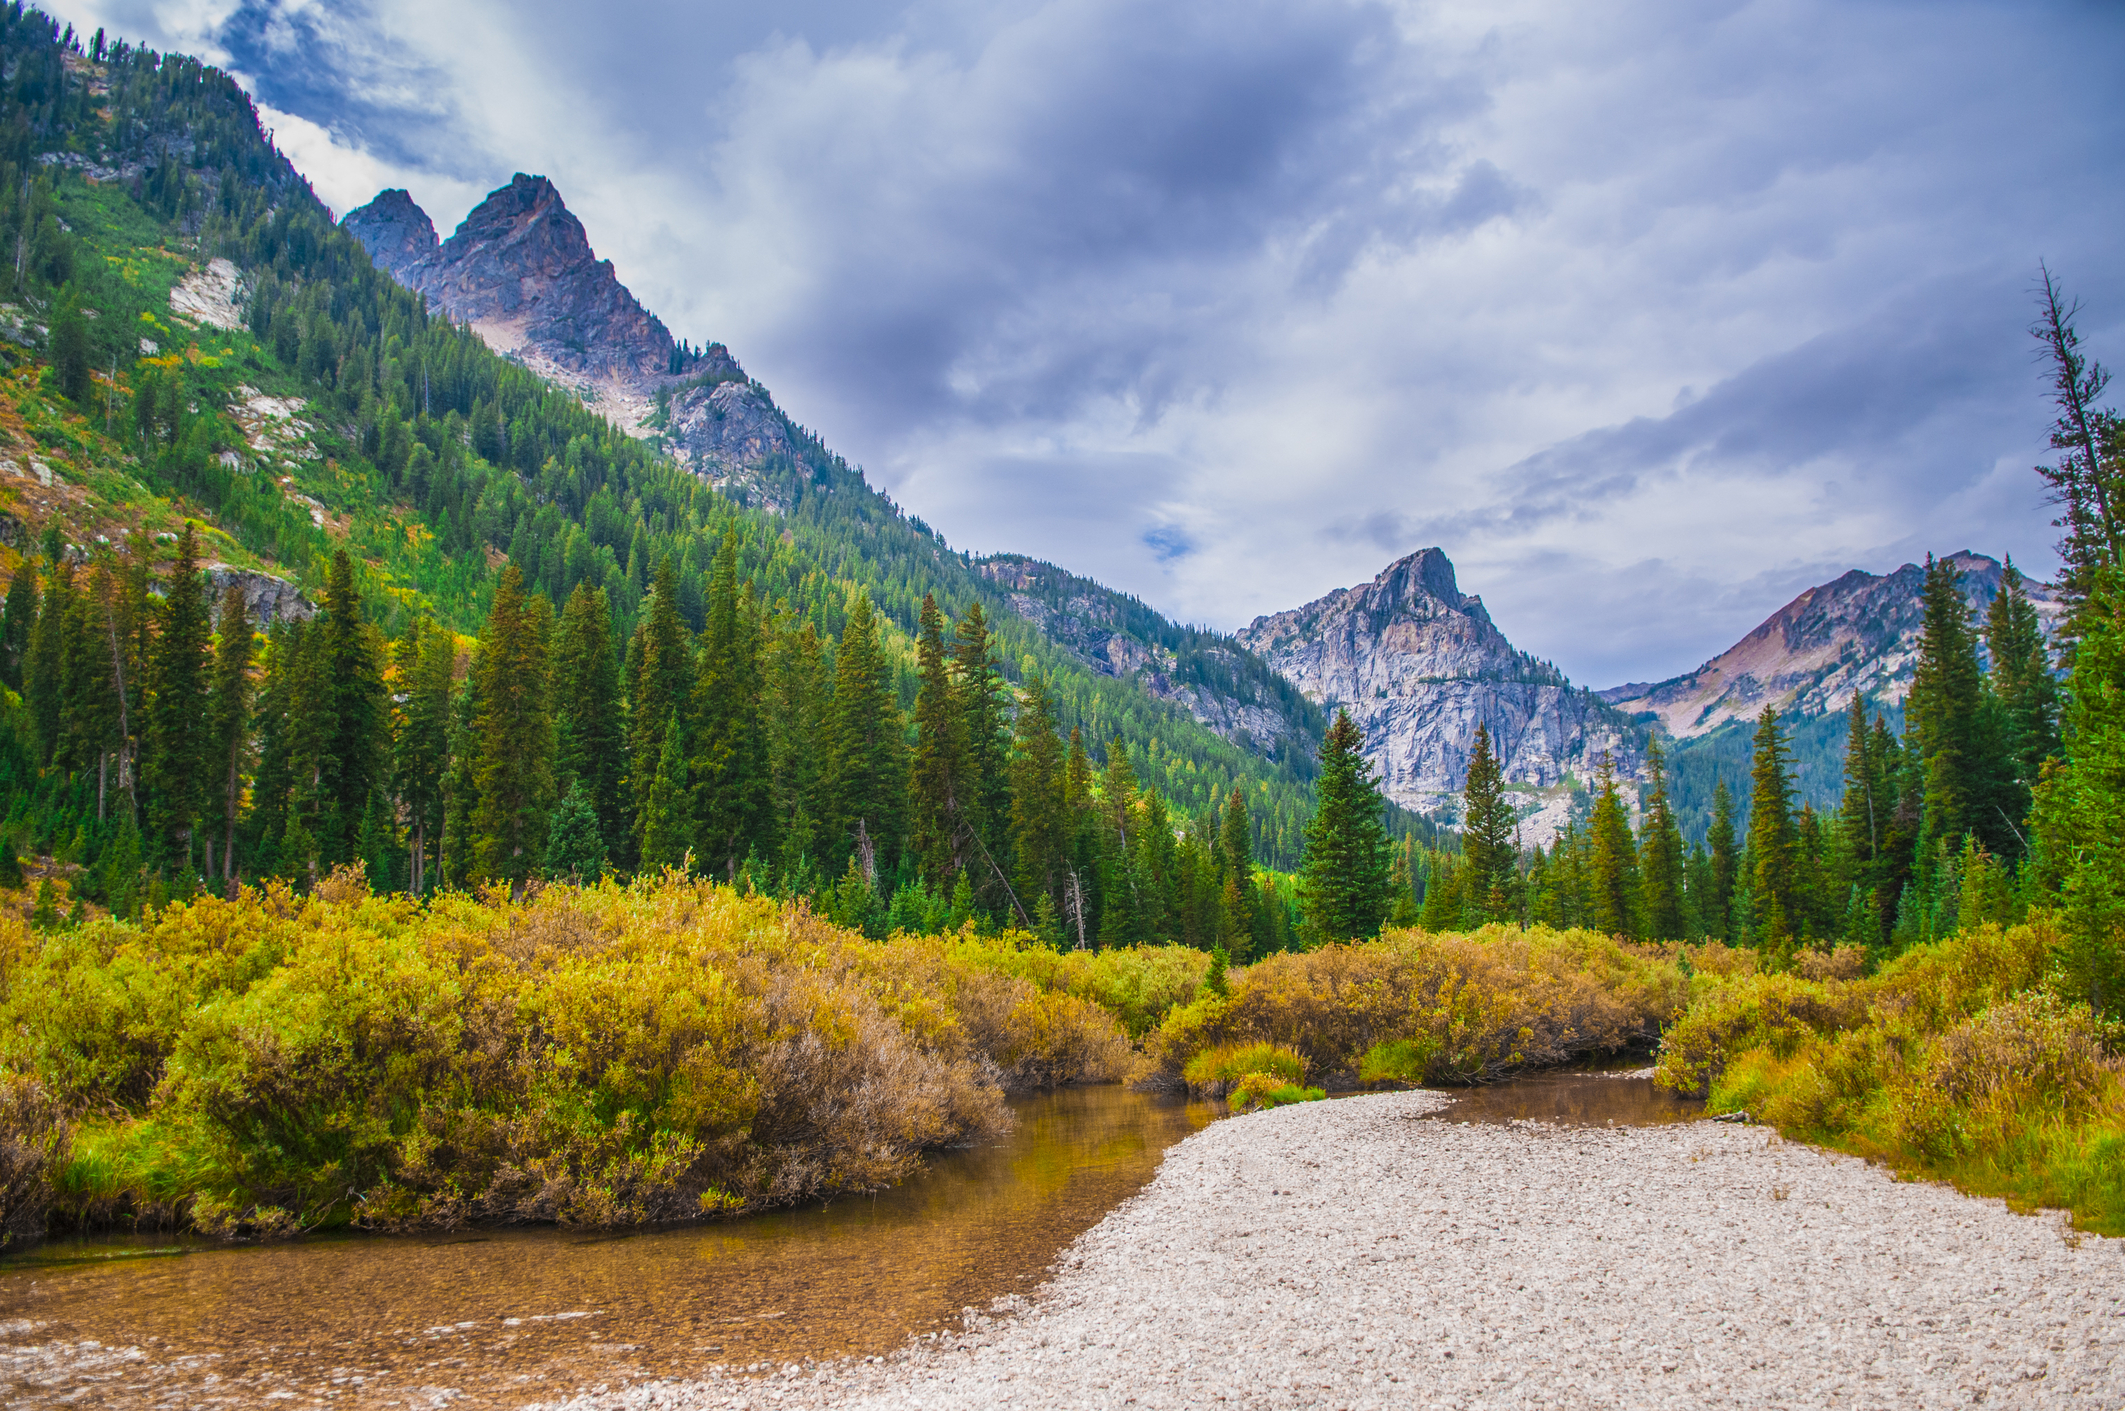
(2080,806)
(866,748)
(1945,716)
(428,664)
(659,682)
(17,620)
(1771,847)
(1442,907)
(590,741)
(1661,877)
(1487,832)
(1239,905)
(2021,681)
(729,768)
(1040,826)
(229,725)
(1121,918)
(575,846)
(938,824)
(796,720)
(514,737)
(176,759)
(44,669)
(1724,864)
(1343,875)
(355,759)
(665,826)
(1614,859)
(985,768)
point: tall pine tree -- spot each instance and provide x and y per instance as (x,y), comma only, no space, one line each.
(1343,875)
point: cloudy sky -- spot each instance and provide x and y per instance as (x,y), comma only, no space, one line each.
(1650,313)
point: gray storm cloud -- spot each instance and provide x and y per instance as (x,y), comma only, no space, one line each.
(1650,316)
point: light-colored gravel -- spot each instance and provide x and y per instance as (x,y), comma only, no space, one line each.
(1352,1254)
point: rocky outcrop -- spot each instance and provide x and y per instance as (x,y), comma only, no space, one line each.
(1419,664)
(267,600)
(520,271)
(1857,634)
(1222,685)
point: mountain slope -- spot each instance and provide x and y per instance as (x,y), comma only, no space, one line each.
(1419,664)
(1856,635)
(292,399)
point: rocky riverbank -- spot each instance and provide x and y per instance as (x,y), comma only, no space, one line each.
(1361,1254)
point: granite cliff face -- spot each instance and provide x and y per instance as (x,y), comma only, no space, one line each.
(1223,685)
(1858,633)
(1419,664)
(521,272)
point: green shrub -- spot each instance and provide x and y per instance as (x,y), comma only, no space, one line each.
(1397,1061)
(1259,1090)
(1213,1072)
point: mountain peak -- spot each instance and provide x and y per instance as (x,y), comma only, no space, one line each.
(394,230)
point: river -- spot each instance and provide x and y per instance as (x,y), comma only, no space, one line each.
(499,1318)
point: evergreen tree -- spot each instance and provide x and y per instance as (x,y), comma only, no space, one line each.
(228,733)
(1487,833)
(1040,824)
(176,761)
(1945,715)
(1771,853)
(17,620)
(867,770)
(659,682)
(1121,916)
(354,757)
(427,662)
(44,669)
(590,738)
(2080,806)
(2022,682)
(2087,483)
(985,769)
(1613,871)
(1239,901)
(1661,878)
(575,846)
(935,787)
(1343,876)
(513,731)
(664,820)
(1442,909)
(796,725)
(1723,864)
(729,765)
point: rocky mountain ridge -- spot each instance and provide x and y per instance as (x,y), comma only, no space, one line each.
(1224,686)
(520,271)
(1856,634)
(1418,664)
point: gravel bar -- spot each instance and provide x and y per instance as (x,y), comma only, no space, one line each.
(1355,1254)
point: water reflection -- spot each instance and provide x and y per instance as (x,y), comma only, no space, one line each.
(1573,1099)
(505,1317)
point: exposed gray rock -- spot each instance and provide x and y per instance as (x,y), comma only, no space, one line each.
(728,431)
(1419,664)
(397,233)
(267,600)
(1858,633)
(1226,687)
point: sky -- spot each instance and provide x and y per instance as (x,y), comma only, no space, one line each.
(1651,314)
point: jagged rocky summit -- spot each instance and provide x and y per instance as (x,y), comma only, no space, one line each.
(1418,664)
(520,271)
(1857,634)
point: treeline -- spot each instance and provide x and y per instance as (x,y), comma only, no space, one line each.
(1931,830)
(173,748)
(442,455)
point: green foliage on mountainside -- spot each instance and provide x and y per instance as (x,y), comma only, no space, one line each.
(340,414)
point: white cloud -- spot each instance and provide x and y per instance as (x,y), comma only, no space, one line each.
(1650,314)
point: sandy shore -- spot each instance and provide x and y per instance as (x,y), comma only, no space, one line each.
(1354,1254)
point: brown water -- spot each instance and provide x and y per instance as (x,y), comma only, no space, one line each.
(1573,1099)
(505,1317)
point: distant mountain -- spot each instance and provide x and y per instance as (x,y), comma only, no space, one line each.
(1419,664)
(1858,633)
(520,271)
(1215,679)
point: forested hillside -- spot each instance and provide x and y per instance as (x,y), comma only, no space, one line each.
(541,644)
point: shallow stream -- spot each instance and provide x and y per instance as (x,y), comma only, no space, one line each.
(504,1317)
